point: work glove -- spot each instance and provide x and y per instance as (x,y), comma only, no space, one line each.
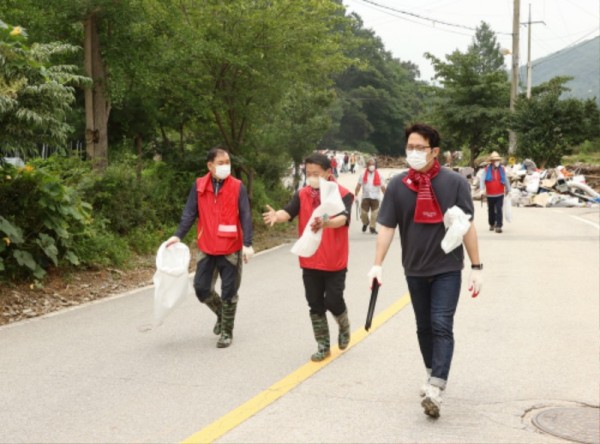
(247,253)
(172,240)
(376,272)
(475,282)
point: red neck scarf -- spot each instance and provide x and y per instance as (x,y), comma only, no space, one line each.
(428,209)
(376,179)
(315,193)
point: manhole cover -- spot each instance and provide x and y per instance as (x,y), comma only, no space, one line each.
(580,424)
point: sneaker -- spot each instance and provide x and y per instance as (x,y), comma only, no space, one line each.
(364,228)
(373,230)
(492,227)
(498,229)
(432,401)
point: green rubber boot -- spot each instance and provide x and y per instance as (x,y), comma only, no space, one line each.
(214,303)
(321,330)
(344,334)
(227,319)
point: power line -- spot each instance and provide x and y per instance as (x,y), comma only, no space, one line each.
(428,19)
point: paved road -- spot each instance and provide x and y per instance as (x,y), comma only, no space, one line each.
(94,374)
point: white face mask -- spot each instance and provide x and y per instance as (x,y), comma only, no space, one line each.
(497,163)
(223,171)
(371,168)
(416,159)
(314,181)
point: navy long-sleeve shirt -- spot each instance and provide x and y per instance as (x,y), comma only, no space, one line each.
(190,212)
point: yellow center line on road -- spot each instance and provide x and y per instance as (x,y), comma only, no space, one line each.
(237,416)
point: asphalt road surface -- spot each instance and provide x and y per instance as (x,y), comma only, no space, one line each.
(530,341)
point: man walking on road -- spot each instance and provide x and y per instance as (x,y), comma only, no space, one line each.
(416,202)
(323,273)
(220,203)
(373,187)
(496,186)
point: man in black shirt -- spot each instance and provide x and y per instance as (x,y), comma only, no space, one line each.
(416,202)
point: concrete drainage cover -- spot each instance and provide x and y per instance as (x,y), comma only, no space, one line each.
(579,424)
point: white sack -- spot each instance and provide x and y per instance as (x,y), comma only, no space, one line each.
(457,223)
(331,204)
(171,281)
(508,210)
(533,182)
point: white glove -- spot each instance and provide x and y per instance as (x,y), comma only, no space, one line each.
(475,282)
(172,240)
(375,273)
(247,253)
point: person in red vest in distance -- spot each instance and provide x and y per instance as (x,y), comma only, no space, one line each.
(323,273)
(371,184)
(220,204)
(496,186)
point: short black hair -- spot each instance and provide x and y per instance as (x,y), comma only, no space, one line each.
(318,159)
(214,152)
(426,131)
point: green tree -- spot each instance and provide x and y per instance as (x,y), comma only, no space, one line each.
(35,93)
(548,127)
(378,95)
(471,108)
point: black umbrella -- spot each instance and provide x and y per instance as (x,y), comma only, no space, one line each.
(372,302)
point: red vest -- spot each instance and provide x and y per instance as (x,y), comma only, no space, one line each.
(332,254)
(495,187)
(219,227)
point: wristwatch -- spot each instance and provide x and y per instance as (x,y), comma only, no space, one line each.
(325,218)
(476,266)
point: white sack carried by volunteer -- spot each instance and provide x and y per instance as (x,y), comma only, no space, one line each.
(332,204)
(457,223)
(171,281)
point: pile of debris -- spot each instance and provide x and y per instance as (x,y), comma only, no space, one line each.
(553,187)
(391,162)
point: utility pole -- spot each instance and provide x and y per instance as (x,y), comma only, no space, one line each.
(514,84)
(529,23)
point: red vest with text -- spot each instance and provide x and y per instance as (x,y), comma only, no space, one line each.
(219,227)
(332,254)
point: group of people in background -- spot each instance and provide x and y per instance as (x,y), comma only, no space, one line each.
(415,202)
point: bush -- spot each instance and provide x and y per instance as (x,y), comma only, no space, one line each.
(42,222)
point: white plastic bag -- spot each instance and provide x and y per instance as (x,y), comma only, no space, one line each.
(331,204)
(457,223)
(508,210)
(171,281)
(532,182)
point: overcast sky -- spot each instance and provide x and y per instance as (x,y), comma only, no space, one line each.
(408,37)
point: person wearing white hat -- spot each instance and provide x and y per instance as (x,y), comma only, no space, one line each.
(496,186)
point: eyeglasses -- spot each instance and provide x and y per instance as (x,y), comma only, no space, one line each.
(419,148)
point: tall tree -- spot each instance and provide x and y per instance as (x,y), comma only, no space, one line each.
(36,92)
(548,126)
(471,107)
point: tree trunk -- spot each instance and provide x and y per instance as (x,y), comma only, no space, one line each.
(97,106)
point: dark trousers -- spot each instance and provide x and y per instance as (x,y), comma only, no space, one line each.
(324,290)
(434,300)
(209,268)
(495,205)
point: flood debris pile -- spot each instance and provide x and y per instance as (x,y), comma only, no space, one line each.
(573,186)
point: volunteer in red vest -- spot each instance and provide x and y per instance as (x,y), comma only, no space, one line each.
(496,186)
(372,184)
(324,273)
(220,204)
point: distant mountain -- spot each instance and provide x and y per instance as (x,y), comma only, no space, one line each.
(581,61)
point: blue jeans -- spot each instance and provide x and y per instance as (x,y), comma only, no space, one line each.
(434,300)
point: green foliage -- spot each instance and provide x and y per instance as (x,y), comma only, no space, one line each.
(35,93)
(42,223)
(472,107)
(548,127)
